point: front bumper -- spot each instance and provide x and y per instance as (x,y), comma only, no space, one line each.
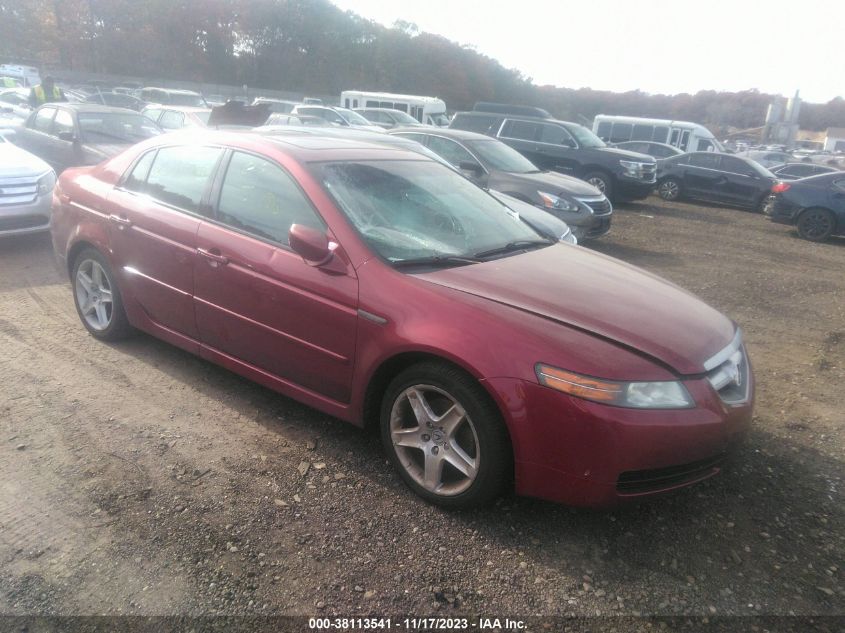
(582,453)
(25,218)
(783,212)
(628,188)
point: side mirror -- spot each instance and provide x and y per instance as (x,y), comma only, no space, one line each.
(67,136)
(470,169)
(311,244)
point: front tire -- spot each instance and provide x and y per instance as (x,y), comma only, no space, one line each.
(445,436)
(669,189)
(601,181)
(815,225)
(97,297)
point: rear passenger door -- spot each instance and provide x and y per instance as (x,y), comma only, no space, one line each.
(256,300)
(744,185)
(155,215)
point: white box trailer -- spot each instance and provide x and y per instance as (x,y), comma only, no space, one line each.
(686,136)
(427,110)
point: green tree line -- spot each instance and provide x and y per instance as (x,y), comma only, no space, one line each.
(311,46)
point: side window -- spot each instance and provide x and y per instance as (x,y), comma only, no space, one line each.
(708,160)
(661,152)
(179,175)
(705,145)
(450,151)
(684,140)
(621,132)
(735,166)
(137,178)
(660,134)
(521,130)
(371,104)
(260,198)
(172,120)
(152,113)
(604,130)
(419,138)
(555,135)
(642,132)
(43,119)
(63,122)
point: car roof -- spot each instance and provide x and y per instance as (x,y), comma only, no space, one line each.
(515,117)
(87,107)
(458,135)
(301,147)
(177,108)
(172,90)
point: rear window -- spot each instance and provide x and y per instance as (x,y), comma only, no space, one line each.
(179,175)
(521,130)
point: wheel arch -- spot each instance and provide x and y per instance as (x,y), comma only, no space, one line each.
(74,251)
(389,367)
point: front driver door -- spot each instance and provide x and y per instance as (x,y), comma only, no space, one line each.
(258,301)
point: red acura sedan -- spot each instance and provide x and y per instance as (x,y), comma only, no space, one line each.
(379,286)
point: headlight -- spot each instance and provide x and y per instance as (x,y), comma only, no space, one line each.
(669,394)
(46,183)
(551,201)
(632,168)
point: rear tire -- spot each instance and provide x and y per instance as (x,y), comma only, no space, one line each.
(97,298)
(669,189)
(445,436)
(815,225)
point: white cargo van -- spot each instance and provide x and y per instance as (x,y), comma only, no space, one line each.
(427,110)
(686,136)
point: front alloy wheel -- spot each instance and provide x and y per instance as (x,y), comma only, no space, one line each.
(445,436)
(669,190)
(435,440)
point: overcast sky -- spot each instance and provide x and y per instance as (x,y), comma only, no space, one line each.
(657,46)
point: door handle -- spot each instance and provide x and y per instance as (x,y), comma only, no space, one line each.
(214,257)
(122,223)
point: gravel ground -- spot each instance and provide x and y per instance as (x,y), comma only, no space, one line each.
(137,479)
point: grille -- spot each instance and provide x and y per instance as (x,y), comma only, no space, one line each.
(730,379)
(23,222)
(600,205)
(642,481)
(649,172)
(18,190)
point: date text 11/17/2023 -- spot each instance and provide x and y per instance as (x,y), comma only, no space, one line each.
(416,624)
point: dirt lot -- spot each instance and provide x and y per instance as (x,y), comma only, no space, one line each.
(138,479)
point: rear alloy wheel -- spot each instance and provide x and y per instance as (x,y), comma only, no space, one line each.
(444,436)
(669,189)
(97,298)
(601,181)
(815,225)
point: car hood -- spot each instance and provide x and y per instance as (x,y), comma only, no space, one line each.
(603,296)
(624,154)
(101,151)
(18,163)
(553,183)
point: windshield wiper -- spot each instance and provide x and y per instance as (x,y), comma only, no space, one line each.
(440,261)
(512,247)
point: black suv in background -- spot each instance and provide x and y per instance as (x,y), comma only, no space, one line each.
(492,164)
(564,147)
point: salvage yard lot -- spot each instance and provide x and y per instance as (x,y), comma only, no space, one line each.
(136,478)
